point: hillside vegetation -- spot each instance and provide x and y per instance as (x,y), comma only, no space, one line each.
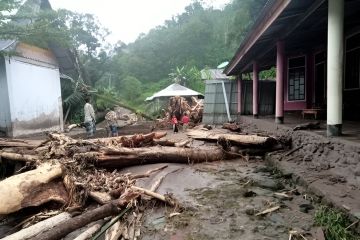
(198,38)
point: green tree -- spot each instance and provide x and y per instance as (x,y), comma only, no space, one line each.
(188,76)
(131,89)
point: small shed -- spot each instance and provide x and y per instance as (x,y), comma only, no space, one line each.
(30,92)
(160,99)
(175,90)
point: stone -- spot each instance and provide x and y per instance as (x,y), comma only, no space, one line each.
(249,193)
(269,184)
(305,207)
(250,211)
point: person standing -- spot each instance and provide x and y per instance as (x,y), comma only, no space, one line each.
(111,120)
(174,123)
(89,119)
(185,121)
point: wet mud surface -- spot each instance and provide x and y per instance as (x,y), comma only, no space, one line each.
(221,201)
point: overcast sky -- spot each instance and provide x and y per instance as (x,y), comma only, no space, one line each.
(127,19)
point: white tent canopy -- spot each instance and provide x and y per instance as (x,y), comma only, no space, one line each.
(174,90)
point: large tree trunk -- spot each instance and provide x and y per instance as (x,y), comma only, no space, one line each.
(124,157)
(42,226)
(32,188)
(239,140)
(77,222)
(131,140)
(18,156)
(4,142)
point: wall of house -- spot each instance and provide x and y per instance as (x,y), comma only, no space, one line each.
(266,97)
(309,78)
(35,96)
(5,121)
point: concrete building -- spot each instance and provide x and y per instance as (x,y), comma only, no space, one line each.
(315,46)
(30,92)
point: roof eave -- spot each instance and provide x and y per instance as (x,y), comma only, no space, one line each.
(268,15)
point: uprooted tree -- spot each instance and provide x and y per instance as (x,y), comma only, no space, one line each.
(70,171)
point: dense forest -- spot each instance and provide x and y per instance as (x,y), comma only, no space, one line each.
(198,38)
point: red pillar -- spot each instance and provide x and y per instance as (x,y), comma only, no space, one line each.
(280,62)
(239,94)
(255,90)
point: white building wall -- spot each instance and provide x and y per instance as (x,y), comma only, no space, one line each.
(35,97)
(5,120)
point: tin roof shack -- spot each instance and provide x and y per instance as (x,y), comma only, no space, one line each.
(160,100)
(315,47)
(30,92)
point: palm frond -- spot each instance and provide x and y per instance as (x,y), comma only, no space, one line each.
(74,99)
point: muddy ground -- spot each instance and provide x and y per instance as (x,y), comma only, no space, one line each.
(220,200)
(329,167)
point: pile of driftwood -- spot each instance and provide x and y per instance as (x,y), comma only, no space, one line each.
(72,175)
(178,106)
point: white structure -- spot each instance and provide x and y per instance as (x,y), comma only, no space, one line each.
(30,92)
(174,90)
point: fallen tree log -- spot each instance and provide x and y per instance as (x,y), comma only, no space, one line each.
(166,199)
(125,157)
(168,143)
(148,173)
(77,222)
(32,188)
(131,140)
(5,142)
(235,139)
(87,234)
(28,233)
(18,156)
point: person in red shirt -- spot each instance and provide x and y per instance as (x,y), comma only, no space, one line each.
(174,122)
(185,121)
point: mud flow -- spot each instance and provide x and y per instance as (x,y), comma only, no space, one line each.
(232,200)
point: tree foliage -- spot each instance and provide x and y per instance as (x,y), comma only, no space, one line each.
(36,23)
(198,38)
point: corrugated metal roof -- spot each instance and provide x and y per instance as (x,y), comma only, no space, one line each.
(5,44)
(174,90)
(64,56)
(213,74)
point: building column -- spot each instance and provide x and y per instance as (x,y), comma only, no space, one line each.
(335,53)
(255,90)
(280,66)
(239,89)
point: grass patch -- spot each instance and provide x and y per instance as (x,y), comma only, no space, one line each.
(334,223)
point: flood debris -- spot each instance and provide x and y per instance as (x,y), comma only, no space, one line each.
(268,210)
(307,126)
(178,106)
(233,127)
(82,178)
